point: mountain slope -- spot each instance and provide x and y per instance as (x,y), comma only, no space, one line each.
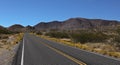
(78,24)
(4,30)
(16,28)
(48,26)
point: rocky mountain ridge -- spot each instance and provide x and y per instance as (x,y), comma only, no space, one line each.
(70,24)
(78,24)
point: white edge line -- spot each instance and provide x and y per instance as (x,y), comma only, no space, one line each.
(22,53)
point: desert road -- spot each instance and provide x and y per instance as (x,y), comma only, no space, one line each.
(34,50)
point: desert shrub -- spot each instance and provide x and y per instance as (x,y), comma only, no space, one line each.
(118,30)
(39,33)
(117,41)
(82,37)
(4,31)
(57,34)
(88,37)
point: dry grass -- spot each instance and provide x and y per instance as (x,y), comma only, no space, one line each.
(10,41)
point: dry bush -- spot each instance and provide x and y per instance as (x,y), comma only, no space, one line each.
(89,37)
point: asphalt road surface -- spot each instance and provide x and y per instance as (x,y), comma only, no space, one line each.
(37,51)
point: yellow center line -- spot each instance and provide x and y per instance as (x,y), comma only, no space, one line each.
(66,55)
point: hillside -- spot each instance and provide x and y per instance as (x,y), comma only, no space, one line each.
(48,26)
(78,24)
(4,30)
(16,28)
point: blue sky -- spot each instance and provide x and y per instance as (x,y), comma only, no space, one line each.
(31,12)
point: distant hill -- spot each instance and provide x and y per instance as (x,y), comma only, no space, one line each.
(78,24)
(4,30)
(48,26)
(1,27)
(16,28)
(29,28)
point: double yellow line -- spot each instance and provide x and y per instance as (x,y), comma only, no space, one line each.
(66,55)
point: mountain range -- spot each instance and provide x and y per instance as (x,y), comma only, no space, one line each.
(70,24)
(78,24)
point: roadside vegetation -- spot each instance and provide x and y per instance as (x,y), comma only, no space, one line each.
(82,37)
(99,42)
(5,31)
(8,42)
